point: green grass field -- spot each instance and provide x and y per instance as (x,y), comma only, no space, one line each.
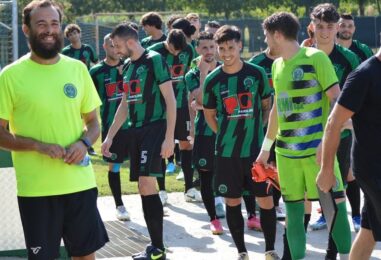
(101,171)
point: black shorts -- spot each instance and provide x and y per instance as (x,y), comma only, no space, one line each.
(73,217)
(371,212)
(119,146)
(182,124)
(145,148)
(203,152)
(233,177)
(344,157)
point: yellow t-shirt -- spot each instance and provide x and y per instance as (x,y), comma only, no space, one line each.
(45,102)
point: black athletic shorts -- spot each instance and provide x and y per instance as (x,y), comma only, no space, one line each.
(344,157)
(203,152)
(371,212)
(182,124)
(232,177)
(119,146)
(144,148)
(73,217)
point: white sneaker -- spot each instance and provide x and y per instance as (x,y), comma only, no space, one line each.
(271,255)
(280,215)
(122,214)
(163,197)
(193,195)
(243,256)
(180,176)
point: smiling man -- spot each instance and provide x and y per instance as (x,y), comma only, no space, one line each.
(236,95)
(46,110)
(345,38)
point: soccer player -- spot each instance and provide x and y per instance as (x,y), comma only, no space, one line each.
(47,98)
(150,104)
(77,49)
(212,26)
(325,25)
(204,138)
(152,24)
(305,83)
(194,20)
(265,60)
(359,100)
(178,55)
(236,96)
(345,38)
(109,83)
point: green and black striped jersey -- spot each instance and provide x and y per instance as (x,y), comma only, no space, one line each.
(141,82)
(265,62)
(192,81)
(86,54)
(109,84)
(179,66)
(147,41)
(237,99)
(361,50)
(344,61)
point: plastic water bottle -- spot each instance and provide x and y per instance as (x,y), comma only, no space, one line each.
(85,161)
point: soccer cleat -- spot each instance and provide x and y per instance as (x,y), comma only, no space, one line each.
(271,255)
(220,211)
(163,197)
(243,256)
(216,227)
(319,224)
(254,223)
(171,168)
(356,223)
(192,195)
(180,176)
(280,215)
(122,214)
(151,253)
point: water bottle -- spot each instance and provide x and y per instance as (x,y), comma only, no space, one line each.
(85,161)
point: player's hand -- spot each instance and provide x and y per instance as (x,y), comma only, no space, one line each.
(167,148)
(54,151)
(347,125)
(203,66)
(75,153)
(105,148)
(318,154)
(263,158)
(326,180)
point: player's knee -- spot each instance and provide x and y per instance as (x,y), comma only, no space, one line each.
(115,167)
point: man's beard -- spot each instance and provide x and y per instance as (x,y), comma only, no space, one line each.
(46,51)
(344,37)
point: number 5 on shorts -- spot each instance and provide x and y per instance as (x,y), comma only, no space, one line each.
(143,158)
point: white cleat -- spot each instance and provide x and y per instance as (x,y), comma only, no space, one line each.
(122,214)
(193,195)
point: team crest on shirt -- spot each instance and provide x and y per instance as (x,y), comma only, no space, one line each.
(248,82)
(141,69)
(182,57)
(70,90)
(298,74)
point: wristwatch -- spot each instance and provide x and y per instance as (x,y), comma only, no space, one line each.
(85,141)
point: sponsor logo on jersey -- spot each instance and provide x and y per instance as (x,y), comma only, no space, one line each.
(286,106)
(70,90)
